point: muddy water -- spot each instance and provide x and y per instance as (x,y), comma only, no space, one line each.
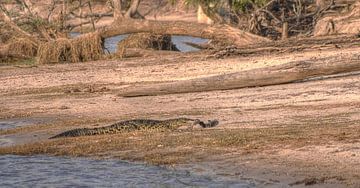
(9,124)
(179,41)
(45,171)
(13,139)
(18,122)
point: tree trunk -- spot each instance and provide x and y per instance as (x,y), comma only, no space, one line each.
(285,31)
(280,74)
(285,26)
(133,9)
(81,14)
(219,32)
(117,9)
(64,14)
(91,18)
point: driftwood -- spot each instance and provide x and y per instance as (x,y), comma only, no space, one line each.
(219,32)
(136,52)
(280,74)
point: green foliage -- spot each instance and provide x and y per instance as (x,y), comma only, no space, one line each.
(236,5)
(196,2)
(27,62)
(7,1)
(243,5)
(37,21)
(172,2)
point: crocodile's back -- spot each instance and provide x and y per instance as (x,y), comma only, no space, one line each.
(123,126)
(140,124)
(136,124)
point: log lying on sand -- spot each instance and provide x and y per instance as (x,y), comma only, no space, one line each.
(136,52)
(219,32)
(280,74)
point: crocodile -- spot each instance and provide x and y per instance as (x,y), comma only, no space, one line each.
(138,124)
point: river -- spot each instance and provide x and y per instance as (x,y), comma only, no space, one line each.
(49,171)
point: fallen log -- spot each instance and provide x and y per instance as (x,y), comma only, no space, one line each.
(280,74)
(136,52)
(218,32)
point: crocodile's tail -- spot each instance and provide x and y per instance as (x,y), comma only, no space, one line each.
(83,132)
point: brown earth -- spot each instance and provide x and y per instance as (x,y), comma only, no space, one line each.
(296,134)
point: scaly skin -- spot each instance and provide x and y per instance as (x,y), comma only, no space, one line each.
(137,124)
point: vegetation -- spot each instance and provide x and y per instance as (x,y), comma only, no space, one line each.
(273,19)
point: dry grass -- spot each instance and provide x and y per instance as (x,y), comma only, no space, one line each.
(17,50)
(4,34)
(90,47)
(58,51)
(167,147)
(23,47)
(145,41)
(84,48)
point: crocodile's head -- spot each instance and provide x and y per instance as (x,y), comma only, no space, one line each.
(184,123)
(210,123)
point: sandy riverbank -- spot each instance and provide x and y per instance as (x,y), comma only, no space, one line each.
(292,134)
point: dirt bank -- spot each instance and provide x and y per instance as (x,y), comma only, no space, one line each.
(293,134)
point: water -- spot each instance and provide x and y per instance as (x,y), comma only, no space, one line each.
(18,122)
(46,171)
(14,139)
(8,124)
(179,41)
(111,43)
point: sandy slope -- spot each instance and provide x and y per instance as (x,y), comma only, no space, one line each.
(316,123)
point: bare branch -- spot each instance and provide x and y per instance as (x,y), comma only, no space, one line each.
(13,26)
(91,18)
(117,9)
(51,9)
(133,10)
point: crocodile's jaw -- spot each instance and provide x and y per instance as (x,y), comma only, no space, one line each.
(188,125)
(181,125)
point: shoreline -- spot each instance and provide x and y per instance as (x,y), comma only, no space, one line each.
(295,134)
